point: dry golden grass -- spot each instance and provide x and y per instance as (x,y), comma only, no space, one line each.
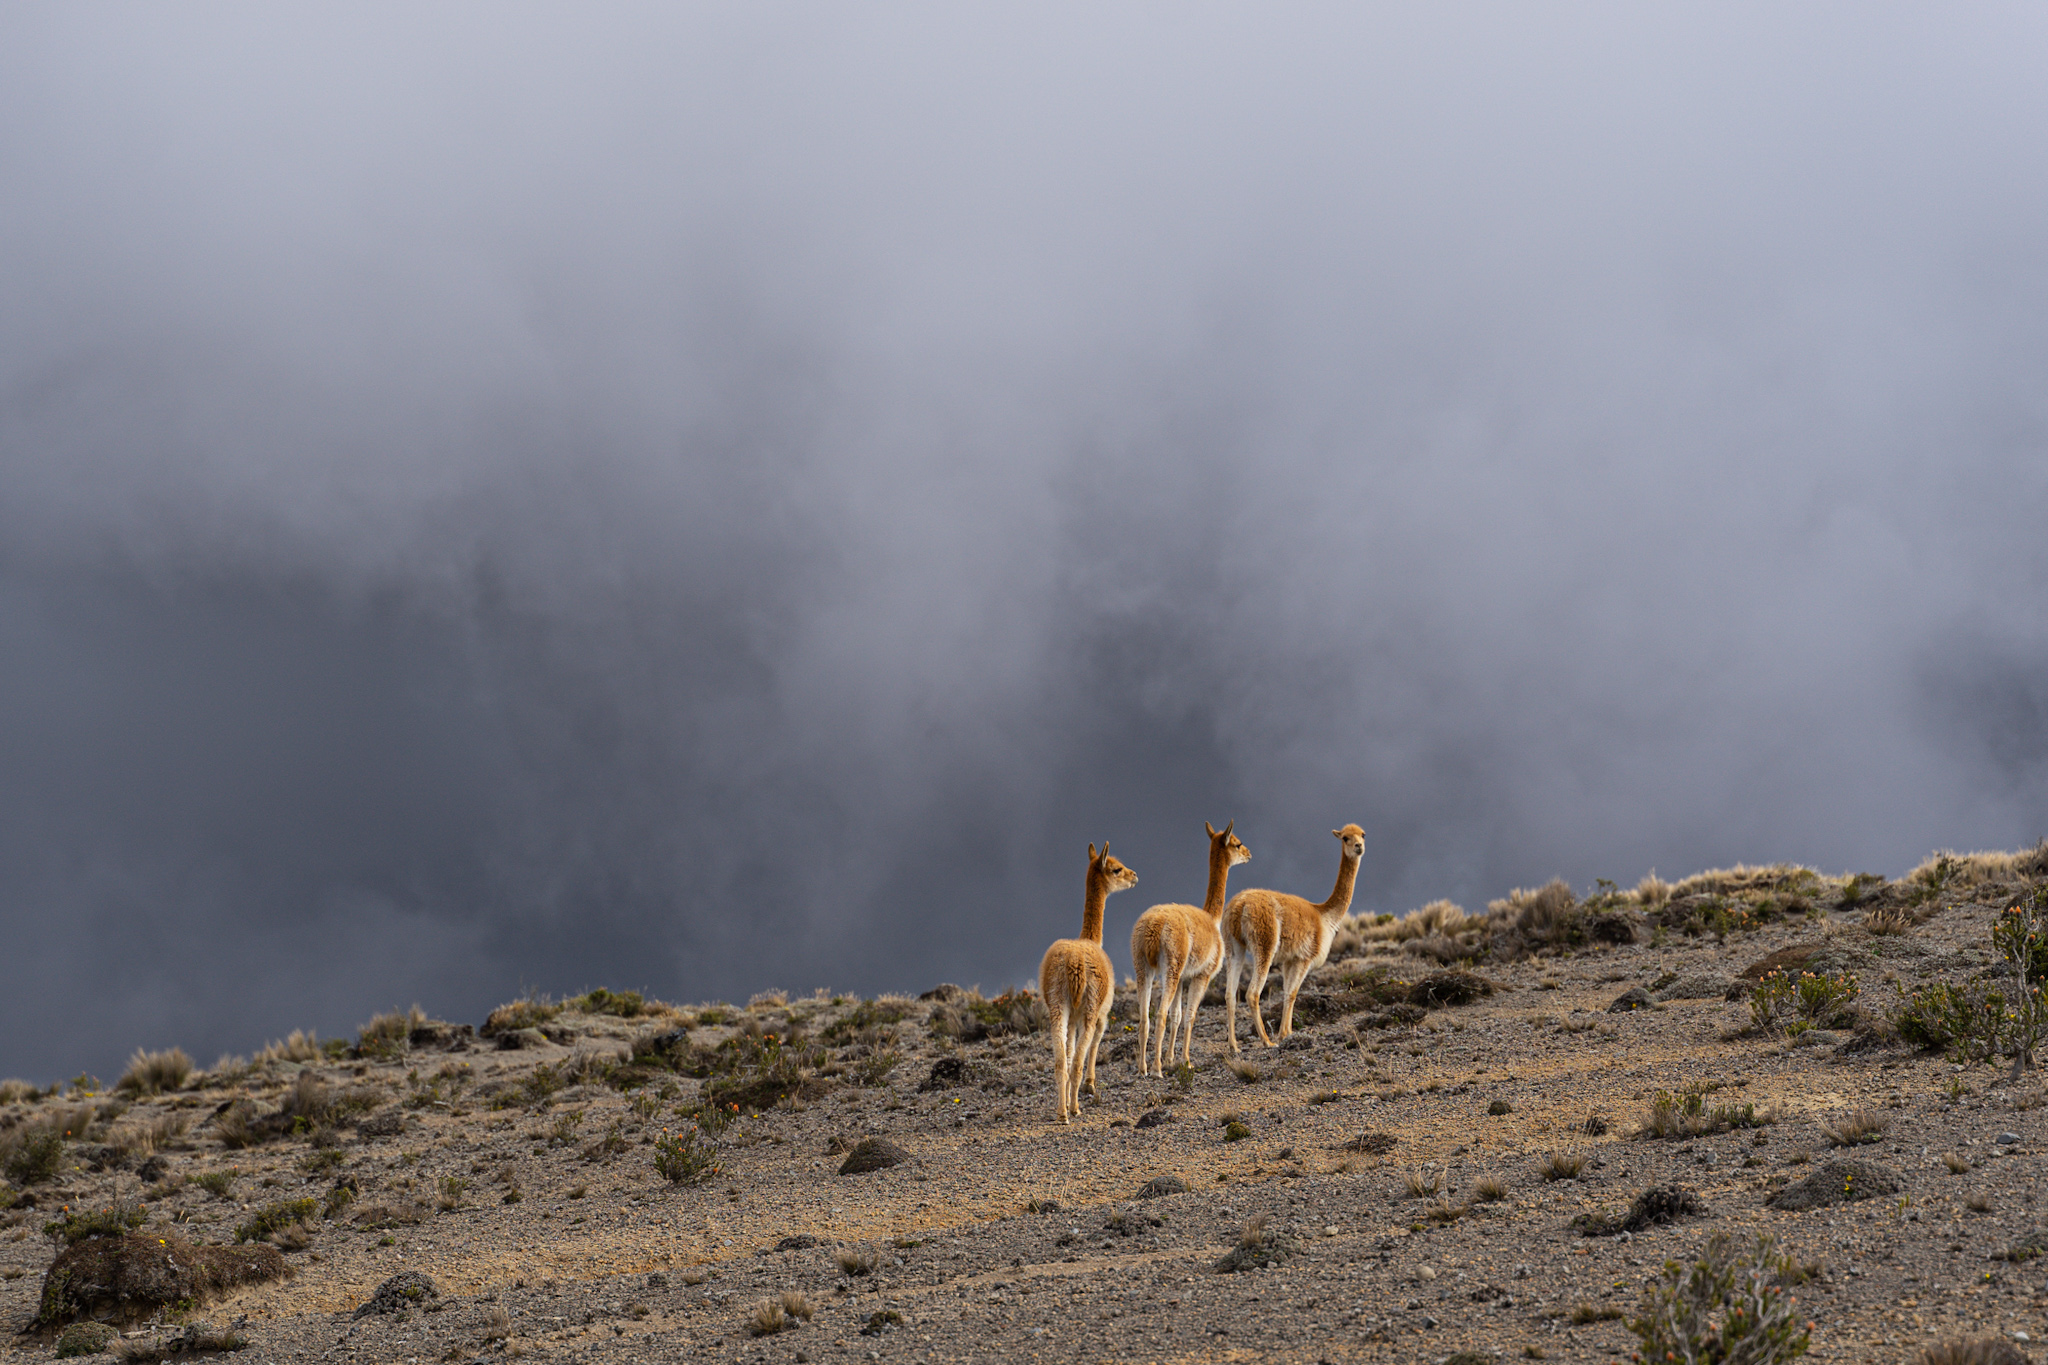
(153,1073)
(1490,1188)
(1423,1182)
(1652,890)
(1955,1163)
(1561,1166)
(301,1046)
(1856,1126)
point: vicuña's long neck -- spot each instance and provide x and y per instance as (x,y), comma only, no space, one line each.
(1091,911)
(1219,877)
(1339,902)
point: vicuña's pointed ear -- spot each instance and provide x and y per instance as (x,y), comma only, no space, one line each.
(1091,852)
(1338,832)
(1211,828)
(1229,827)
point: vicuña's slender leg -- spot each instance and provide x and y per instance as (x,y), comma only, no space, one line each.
(1230,1001)
(1260,968)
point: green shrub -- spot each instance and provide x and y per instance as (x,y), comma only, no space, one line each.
(1729,1306)
(85,1339)
(624,1004)
(685,1156)
(113,1222)
(32,1155)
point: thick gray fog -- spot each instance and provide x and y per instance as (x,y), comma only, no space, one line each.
(498,498)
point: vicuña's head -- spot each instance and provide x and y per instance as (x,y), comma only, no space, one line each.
(1353,839)
(1114,875)
(1224,839)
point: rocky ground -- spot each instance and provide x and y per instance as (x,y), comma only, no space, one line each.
(1416,1178)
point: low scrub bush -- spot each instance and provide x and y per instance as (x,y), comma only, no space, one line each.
(1728,1305)
(622,1004)
(514,1015)
(109,1222)
(685,1156)
(275,1218)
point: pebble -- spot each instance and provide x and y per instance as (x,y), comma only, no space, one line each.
(1330,1231)
(2008,1138)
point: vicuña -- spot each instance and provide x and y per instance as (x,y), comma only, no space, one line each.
(1078,985)
(1264,928)
(1181,947)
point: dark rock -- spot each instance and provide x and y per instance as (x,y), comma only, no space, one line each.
(406,1289)
(2007,1139)
(1839,1182)
(872,1154)
(1657,1205)
(1255,1250)
(153,1170)
(384,1123)
(1614,926)
(945,993)
(100,1157)
(1692,986)
(803,1241)
(1296,1043)
(1372,1144)
(439,1033)
(947,1073)
(1635,998)
(512,1040)
(1439,989)
(1161,1185)
(1152,1118)
(1595,1126)
(1393,1016)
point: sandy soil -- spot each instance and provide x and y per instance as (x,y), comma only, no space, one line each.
(1007,1236)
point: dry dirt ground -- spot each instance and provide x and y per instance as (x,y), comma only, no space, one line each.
(1006,1236)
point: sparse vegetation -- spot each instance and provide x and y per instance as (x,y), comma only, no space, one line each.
(1422,1182)
(1244,1069)
(154,1073)
(1489,1189)
(856,1260)
(1728,1305)
(684,1156)
(1855,1127)
(1687,1114)
(275,1218)
(1561,1166)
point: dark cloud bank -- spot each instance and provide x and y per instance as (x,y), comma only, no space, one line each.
(495,499)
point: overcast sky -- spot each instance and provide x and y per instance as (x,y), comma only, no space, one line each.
(707,499)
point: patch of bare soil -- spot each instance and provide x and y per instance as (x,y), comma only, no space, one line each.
(1412,1176)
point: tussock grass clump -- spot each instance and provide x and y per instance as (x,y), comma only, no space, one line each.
(1955,1163)
(388,1036)
(153,1073)
(1561,1166)
(19,1092)
(1421,1182)
(300,1046)
(768,1318)
(1856,1127)
(1489,1188)
(1688,1115)
(526,1012)
(856,1260)
(1244,1069)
